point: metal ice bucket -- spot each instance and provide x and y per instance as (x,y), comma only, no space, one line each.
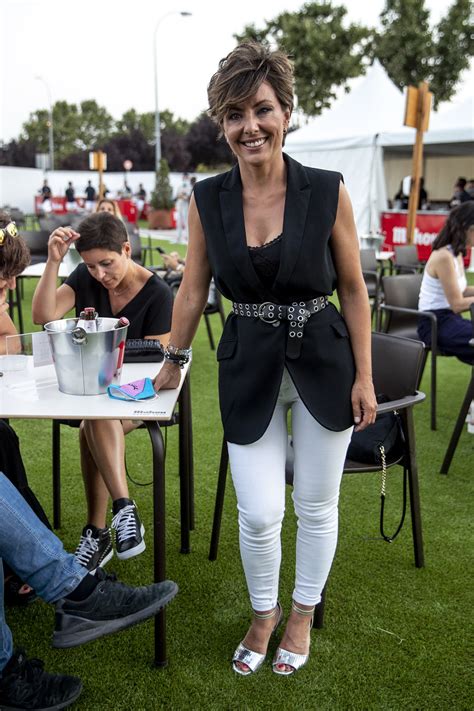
(86,363)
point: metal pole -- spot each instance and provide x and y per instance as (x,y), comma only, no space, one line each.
(50,122)
(155,66)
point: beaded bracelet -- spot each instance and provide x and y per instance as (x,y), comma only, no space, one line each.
(180,356)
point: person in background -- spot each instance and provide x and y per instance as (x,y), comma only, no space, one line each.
(444,290)
(470,188)
(400,200)
(87,606)
(46,191)
(71,204)
(110,206)
(90,196)
(140,199)
(115,286)
(278,238)
(460,193)
(423,196)
(182,207)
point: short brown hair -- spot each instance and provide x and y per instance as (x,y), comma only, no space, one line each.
(14,253)
(101,231)
(241,73)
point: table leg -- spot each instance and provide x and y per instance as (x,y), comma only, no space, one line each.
(159,542)
(184,465)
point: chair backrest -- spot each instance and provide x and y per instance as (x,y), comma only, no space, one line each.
(396,365)
(50,223)
(37,241)
(368,259)
(401,290)
(135,242)
(406,256)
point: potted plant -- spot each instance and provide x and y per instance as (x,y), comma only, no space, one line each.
(161,202)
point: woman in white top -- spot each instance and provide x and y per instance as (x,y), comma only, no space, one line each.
(444,289)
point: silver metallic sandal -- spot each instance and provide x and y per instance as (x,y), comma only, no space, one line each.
(291,659)
(254,660)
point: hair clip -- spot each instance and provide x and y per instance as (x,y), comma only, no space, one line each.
(10,229)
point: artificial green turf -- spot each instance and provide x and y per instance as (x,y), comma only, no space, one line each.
(395,637)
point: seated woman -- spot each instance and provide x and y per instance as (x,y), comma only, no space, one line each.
(14,258)
(444,289)
(115,286)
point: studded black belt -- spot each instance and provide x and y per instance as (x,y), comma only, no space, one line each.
(296,313)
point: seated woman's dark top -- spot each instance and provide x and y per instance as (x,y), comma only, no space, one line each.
(149,312)
(266,260)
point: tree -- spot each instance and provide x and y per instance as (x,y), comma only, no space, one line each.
(326,50)
(411,51)
(76,128)
(453,48)
(162,195)
(205,146)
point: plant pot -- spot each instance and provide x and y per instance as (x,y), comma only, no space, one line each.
(160,219)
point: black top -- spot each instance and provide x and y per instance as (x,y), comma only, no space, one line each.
(90,193)
(149,312)
(252,354)
(70,194)
(266,260)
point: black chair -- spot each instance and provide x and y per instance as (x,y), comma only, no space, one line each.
(372,277)
(466,403)
(135,242)
(406,260)
(397,364)
(401,314)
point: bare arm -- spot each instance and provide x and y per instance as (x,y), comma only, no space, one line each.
(7,327)
(49,302)
(190,299)
(442,268)
(352,294)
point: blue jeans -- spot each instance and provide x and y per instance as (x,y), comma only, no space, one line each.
(34,553)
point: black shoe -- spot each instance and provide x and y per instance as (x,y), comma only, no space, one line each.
(111,607)
(25,685)
(95,547)
(129,530)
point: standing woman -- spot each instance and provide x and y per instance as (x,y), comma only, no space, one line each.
(278,239)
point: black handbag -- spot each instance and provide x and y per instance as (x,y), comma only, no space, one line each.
(381,442)
(143,350)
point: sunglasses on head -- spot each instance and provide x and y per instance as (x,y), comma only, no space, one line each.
(10,229)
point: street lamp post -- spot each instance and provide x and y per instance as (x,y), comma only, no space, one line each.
(157,111)
(50,124)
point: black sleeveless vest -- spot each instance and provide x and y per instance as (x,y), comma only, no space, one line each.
(252,353)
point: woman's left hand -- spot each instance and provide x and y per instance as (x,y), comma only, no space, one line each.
(364,403)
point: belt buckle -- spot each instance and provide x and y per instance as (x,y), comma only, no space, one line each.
(267,319)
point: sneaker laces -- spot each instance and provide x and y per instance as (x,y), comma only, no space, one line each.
(88,545)
(124,522)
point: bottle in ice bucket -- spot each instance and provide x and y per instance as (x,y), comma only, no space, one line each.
(123,321)
(88,320)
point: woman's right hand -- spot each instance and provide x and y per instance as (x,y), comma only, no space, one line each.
(59,242)
(168,378)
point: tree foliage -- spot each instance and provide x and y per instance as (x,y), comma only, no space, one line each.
(204,145)
(325,48)
(412,51)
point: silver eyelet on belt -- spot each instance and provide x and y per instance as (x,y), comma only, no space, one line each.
(270,318)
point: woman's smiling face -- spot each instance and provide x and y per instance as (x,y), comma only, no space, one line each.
(255,128)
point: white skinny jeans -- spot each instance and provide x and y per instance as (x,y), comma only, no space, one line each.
(258,473)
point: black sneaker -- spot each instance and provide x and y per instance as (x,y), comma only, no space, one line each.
(111,607)
(95,547)
(129,530)
(25,685)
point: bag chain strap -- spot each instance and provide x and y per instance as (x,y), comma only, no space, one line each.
(389,539)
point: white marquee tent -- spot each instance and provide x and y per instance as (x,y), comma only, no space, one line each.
(352,135)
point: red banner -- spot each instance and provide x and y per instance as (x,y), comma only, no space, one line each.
(58,204)
(428,224)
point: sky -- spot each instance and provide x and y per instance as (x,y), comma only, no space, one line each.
(104,51)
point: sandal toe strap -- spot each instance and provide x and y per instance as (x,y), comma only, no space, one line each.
(246,656)
(283,656)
